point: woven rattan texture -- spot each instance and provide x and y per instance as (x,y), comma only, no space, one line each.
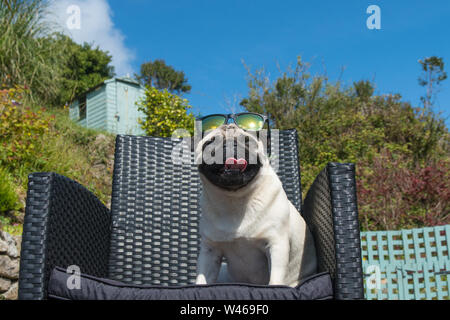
(331,212)
(349,277)
(155,213)
(284,159)
(318,215)
(64,225)
(155,208)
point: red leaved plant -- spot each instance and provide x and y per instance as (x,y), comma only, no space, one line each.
(394,194)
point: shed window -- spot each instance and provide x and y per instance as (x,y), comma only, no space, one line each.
(82,108)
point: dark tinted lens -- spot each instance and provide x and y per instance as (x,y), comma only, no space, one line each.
(212,122)
(252,122)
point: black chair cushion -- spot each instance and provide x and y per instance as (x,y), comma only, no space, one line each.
(316,287)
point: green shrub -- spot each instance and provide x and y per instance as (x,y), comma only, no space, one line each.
(165,112)
(8,196)
(395,194)
(13,228)
(21,130)
(396,146)
(38,140)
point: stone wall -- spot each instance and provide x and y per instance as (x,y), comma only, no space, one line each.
(9,265)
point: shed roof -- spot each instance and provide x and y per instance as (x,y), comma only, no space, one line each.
(121,79)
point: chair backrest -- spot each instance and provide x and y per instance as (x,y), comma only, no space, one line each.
(155,207)
(407,264)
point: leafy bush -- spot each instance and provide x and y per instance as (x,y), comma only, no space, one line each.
(393,194)
(36,140)
(8,196)
(393,144)
(83,67)
(165,112)
(10,225)
(20,130)
(84,155)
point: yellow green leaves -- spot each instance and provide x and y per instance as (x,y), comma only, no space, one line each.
(20,128)
(164,113)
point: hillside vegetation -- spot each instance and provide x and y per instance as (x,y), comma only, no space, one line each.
(34,139)
(41,70)
(401,151)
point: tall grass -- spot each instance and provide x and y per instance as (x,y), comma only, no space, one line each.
(27,57)
(74,151)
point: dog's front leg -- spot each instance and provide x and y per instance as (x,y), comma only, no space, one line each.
(208,263)
(278,260)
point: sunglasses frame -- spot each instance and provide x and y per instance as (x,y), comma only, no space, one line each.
(234,115)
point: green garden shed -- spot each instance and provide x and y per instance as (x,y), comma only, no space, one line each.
(110,106)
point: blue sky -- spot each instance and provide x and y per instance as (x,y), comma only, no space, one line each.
(208,40)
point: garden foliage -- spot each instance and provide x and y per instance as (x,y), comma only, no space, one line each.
(164,113)
(21,130)
(401,152)
(8,196)
(162,76)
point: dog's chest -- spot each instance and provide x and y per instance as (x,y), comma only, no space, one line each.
(232,220)
(246,260)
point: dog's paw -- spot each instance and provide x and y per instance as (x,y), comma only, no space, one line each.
(200,279)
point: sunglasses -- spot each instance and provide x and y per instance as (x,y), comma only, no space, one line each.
(248,121)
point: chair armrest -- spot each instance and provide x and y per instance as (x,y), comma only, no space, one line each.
(331,212)
(64,225)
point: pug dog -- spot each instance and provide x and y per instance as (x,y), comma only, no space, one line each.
(246,216)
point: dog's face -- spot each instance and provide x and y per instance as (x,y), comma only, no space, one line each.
(230,157)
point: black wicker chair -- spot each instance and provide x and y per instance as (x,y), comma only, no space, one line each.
(150,236)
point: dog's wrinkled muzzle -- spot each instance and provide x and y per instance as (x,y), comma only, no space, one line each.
(235,165)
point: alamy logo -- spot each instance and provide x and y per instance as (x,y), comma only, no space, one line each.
(373,281)
(374,20)
(74,280)
(74,19)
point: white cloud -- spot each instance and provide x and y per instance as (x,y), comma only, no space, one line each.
(93,23)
